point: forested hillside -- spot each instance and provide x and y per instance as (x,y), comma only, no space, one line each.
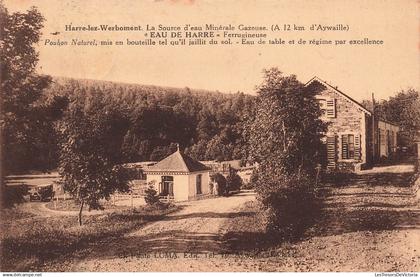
(152,119)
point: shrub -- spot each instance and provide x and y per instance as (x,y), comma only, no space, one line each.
(233,181)
(151,197)
(290,204)
(13,195)
(248,185)
(252,181)
(285,139)
(338,177)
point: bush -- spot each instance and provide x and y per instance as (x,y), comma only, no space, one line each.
(248,185)
(290,204)
(338,177)
(160,206)
(221,183)
(252,181)
(233,181)
(13,195)
(151,197)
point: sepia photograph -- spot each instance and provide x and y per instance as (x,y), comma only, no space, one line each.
(209,136)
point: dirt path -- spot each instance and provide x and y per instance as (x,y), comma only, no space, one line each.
(371,222)
(160,246)
(41,209)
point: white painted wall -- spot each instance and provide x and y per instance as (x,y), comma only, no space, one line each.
(205,183)
(192,190)
(181,185)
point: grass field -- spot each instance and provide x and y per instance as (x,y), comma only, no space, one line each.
(28,242)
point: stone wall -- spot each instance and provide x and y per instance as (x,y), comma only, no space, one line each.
(348,119)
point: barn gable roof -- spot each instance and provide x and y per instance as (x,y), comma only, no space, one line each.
(178,162)
(360,106)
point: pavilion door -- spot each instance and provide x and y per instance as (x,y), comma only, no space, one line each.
(167,187)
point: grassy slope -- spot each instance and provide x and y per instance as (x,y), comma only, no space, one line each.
(28,242)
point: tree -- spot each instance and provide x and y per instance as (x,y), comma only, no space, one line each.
(90,154)
(233,181)
(28,140)
(151,195)
(196,119)
(403,110)
(219,148)
(285,139)
(221,183)
(26,123)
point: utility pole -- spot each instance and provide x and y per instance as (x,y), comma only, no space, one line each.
(373,129)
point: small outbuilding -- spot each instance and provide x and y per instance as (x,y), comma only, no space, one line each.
(179,177)
(386,136)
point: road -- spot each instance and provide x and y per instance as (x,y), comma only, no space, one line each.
(370,223)
(197,228)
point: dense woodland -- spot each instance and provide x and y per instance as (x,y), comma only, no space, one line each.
(150,120)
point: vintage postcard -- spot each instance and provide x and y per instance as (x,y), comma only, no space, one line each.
(210,136)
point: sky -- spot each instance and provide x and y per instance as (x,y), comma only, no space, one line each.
(358,71)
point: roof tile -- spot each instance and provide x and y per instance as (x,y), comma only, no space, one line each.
(178,162)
